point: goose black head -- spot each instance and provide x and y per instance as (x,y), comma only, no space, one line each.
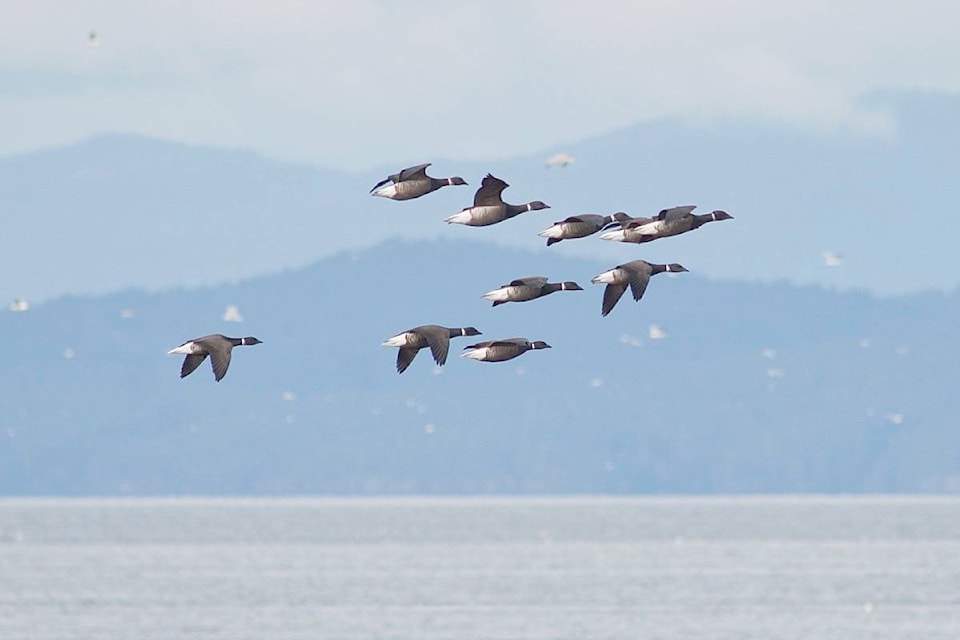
(456,180)
(539,344)
(673,267)
(249,340)
(470,331)
(536,205)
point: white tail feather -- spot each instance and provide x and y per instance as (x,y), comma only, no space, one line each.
(386,191)
(399,340)
(617,235)
(607,277)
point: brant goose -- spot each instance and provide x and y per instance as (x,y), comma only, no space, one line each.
(500,350)
(530,288)
(412,182)
(669,222)
(217,346)
(429,335)
(580,226)
(488,208)
(636,274)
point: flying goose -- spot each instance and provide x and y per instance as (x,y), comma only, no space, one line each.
(217,346)
(529,288)
(488,208)
(500,350)
(412,182)
(636,274)
(669,222)
(580,226)
(428,335)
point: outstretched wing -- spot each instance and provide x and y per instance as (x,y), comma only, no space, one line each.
(611,295)
(638,284)
(220,361)
(404,357)
(414,173)
(479,345)
(634,223)
(530,281)
(191,362)
(439,345)
(488,194)
(676,212)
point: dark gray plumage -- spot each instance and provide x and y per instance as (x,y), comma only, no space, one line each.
(218,347)
(669,222)
(636,274)
(412,182)
(500,350)
(529,288)
(428,335)
(489,208)
(579,226)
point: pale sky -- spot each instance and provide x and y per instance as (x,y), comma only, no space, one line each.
(367,83)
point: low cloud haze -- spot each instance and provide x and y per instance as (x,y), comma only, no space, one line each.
(350,85)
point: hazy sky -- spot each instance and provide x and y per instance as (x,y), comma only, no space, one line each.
(366,82)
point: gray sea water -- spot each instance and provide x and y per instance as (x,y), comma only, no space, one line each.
(472,568)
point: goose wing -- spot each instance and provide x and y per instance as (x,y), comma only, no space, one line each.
(413,173)
(635,223)
(220,350)
(530,281)
(611,295)
(676,212)
(404,357)
(638,284)
(191,362)
(488,195)
(438,340)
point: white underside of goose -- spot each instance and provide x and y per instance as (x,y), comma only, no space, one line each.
(556,231)
(387,191)
(618,235)
(399,340)
(649,228)
(471,215)
(476,354)
(499,295)
(613,276)
(186,348)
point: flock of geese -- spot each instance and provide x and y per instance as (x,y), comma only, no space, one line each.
(489,208)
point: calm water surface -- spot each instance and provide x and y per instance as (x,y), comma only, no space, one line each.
(517,568)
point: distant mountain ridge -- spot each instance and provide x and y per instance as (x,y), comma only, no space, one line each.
(742,388)
(124,211)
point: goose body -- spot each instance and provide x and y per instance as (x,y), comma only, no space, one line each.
(218,347)
(579,226)
(669,222)
(412,182)
(428,335)
(500,350)
(635,274)
(489,208)
(530,288)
